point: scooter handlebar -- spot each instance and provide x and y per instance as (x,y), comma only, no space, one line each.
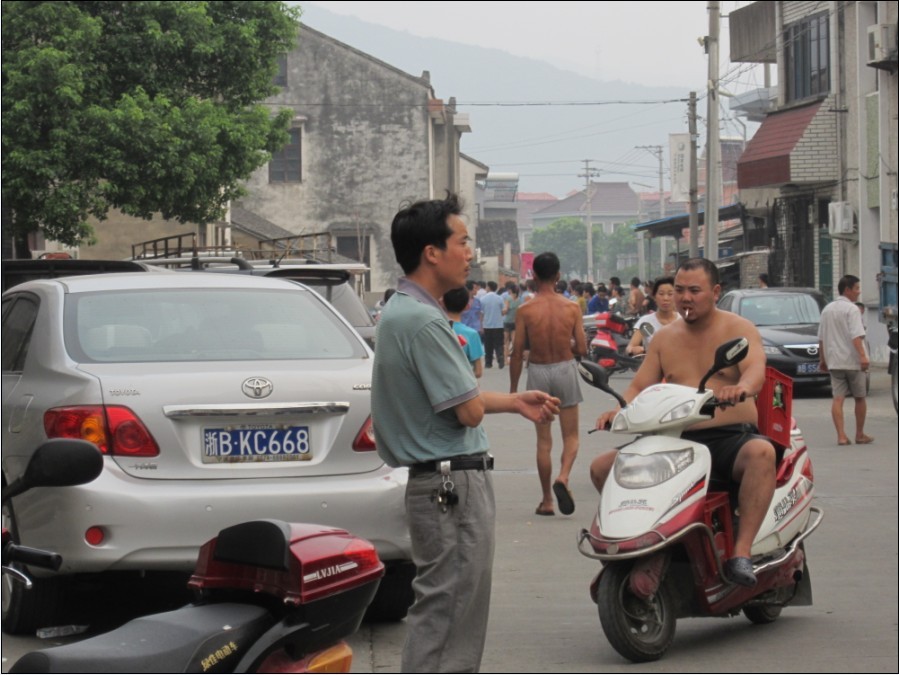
(13,553)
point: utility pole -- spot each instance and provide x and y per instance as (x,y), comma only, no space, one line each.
(694,191)
(589,173)
(713,143)
(657,152)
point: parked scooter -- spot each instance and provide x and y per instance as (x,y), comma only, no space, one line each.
(271,596)
(659,500)
(611,331)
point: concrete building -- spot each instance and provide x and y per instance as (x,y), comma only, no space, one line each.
(819,176)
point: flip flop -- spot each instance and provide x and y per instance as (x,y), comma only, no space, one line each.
(864,440)
(541,512)
(564,498)
(844,442)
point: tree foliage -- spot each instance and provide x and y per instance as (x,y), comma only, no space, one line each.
(567,238)
(148,107)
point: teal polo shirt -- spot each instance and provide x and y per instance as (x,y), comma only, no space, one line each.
(420,374)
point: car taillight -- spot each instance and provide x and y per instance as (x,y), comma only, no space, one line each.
(116,430)
(365,439)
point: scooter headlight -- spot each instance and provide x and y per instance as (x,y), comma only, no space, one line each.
(642,471)
(679,412)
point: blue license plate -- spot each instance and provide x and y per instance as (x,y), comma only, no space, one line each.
(257,444)
(808,369)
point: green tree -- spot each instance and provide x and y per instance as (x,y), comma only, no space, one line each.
(148,107)
(567,238)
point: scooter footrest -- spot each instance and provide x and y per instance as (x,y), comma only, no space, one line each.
(204,638)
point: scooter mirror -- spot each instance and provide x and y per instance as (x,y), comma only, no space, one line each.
(728,354)
(597,376)
(62,462)
(646,330)
(731,353)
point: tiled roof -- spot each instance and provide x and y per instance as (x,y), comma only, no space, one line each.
(255,225)
(612,198)
(766,160)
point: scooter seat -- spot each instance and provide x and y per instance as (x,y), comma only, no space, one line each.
(193,639)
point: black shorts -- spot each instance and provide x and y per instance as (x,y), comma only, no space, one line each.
(724,443)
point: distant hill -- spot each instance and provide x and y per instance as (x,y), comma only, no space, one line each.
(545,144)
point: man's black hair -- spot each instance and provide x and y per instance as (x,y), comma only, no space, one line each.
(420,225)
(456,300)
(703,264)
(847,282)
(546,266)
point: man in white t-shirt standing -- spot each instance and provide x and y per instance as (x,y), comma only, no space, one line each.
(841,335)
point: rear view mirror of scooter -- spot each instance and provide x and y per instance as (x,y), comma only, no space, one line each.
(646,330)
(59,462)
(727,355)
(597,376)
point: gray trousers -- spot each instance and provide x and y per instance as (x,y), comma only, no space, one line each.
(453,551)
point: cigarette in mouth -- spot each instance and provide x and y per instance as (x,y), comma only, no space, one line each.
(686,313)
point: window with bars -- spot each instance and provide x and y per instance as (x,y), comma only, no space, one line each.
(807,57)
(286,164)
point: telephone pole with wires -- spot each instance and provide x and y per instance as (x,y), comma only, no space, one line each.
(589,172)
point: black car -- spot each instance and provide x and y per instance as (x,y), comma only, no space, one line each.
(787,319)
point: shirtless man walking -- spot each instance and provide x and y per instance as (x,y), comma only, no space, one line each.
(686,352)
(551,327)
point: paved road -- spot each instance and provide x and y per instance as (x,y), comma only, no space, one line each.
(542,619)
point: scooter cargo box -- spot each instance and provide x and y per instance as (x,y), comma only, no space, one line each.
(775,406)
(297,563)
(610,322)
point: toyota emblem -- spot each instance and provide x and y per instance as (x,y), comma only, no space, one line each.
(257,387)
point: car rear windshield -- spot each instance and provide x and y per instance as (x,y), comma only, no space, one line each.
(782,309)
(204,325)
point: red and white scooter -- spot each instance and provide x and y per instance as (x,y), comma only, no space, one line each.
(659,500)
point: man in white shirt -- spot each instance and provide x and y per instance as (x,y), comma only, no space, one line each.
(841,335)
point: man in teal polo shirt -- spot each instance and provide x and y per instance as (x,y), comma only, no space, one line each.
(427,411)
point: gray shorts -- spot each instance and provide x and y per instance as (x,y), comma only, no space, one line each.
(557,379)
(852,383)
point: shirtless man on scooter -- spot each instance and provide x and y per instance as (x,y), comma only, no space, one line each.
(551,327)
(681,353)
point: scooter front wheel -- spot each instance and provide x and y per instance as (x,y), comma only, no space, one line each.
(640,630)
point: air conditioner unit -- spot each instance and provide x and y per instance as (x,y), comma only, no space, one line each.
(881,42)
(841,220)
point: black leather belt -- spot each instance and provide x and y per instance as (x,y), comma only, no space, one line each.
(460,463)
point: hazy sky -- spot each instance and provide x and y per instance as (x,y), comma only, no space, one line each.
(650,43)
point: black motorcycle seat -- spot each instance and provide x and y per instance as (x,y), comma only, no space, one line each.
(194,639)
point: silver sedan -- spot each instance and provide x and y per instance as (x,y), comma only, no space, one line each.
(215,399)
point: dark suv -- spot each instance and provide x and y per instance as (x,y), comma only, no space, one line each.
(787,319)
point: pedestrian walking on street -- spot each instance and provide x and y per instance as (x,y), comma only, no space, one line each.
(492,308)
(553,329)
(842,352)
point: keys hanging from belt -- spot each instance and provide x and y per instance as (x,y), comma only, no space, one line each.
(446,497)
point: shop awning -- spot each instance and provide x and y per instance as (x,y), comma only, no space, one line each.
(766,160)
(673,226)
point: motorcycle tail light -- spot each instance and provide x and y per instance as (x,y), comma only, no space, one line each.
(116,430)
(365,439)
(335,659)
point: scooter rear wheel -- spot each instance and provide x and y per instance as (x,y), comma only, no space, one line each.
(762,614)
(640,630)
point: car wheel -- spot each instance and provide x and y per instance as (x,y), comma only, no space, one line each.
(25,610)
(395,594)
